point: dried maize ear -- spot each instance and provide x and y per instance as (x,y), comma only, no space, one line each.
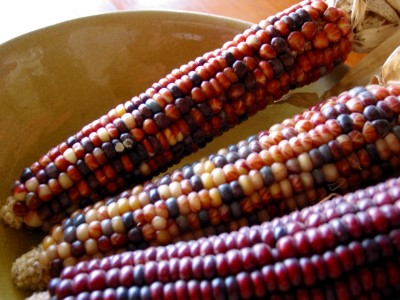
(353,250)
(182,112)
(346,142)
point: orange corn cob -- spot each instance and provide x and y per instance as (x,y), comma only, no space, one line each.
(182,112)
(346,142)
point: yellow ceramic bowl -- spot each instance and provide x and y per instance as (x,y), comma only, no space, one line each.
(55,80)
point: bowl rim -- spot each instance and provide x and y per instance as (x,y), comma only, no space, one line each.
(115,15)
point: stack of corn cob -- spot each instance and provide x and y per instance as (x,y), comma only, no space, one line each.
(341,144)
(182,112)
(346,248)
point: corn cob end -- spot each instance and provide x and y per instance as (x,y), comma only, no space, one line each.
(28,273)
(7,214)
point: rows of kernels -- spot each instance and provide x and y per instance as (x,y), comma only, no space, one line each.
(178,114)
(287,252)
(181,204)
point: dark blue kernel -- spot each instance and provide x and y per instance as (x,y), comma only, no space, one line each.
(79,219)
(267,175)
(345,122)
(226,193)
(197,184)
(237,190)
(173,208)
(127,219)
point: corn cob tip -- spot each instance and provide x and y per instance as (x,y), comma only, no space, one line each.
(28,273)
(39,296)
(8,216)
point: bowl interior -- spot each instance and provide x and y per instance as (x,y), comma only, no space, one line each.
(55,80)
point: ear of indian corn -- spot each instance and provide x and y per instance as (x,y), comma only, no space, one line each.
(343,143)
(344,248)
(182,112)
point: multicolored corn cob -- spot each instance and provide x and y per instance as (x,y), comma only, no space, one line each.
(343,143)
(182,112)
(345,248)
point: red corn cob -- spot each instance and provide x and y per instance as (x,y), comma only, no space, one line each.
(351,251)
(182,112)
(344,143)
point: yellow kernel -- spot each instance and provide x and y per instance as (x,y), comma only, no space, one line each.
(52,252)
(43,258)
(286,188)
(164,191)
(134,203)
(257,179)
(216,200)
(123,205)
(82,232)
(209,166)
(64,250)
(47,241)
(218,176)
(70,261)
(103,135)
(113,210)
(307,180)
(331,173)
(129,120)
(175,189)
(32,184)
(120,110)
(279,170)
(305,162)
(246,184)
(57,233)
(65,181)
(144,198)
(118,224)
(91,215)
(207,181)
(91,247)
(98,204)
(70,155)
(137,189)
(198,168)
(159,223)
(275,190)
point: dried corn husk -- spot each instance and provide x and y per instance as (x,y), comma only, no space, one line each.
(390,74)
(373,21)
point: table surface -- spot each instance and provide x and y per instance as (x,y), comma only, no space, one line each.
(20,16)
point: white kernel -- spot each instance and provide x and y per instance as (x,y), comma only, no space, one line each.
(70,156)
